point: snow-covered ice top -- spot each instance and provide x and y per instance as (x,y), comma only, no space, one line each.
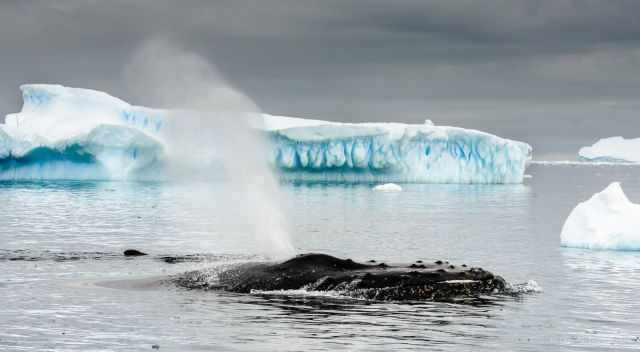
(608,220)
(62,119)
(274,123)
(54,112)
(613,149)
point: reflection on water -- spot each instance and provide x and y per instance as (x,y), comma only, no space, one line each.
(390,325)
(605,282)
(78,230)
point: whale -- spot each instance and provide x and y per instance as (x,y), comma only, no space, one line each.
(316,272)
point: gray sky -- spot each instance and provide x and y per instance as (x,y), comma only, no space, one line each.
(558,74)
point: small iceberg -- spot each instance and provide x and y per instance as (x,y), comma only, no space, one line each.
(613,149)
(608,220)
(388,187)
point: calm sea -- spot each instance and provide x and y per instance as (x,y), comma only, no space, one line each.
(60,241)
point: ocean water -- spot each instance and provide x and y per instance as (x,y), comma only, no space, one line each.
(63,282)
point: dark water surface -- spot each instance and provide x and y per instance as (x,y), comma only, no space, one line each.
(59,241)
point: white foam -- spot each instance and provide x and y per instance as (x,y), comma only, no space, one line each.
(304,293)
(531,286)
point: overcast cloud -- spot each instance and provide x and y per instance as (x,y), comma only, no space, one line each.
(558,73)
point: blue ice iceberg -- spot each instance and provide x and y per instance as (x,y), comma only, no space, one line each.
(393,152)
(73,133)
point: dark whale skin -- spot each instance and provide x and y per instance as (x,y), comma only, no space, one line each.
(320,272)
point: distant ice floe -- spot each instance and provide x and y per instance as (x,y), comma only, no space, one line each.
(613,149)
(581,163)
(75,133)
(608,220)
(388,187)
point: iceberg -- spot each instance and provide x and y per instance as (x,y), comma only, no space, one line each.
(396,152)
(612,149)
(608,220)
(75,133)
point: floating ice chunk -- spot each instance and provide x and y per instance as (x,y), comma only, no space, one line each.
(388,187)
(575,163)
(613,149)
(608,220)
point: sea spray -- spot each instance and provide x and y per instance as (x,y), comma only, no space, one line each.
(210,122)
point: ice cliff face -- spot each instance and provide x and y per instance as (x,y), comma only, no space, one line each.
(389,152)
(80,133)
